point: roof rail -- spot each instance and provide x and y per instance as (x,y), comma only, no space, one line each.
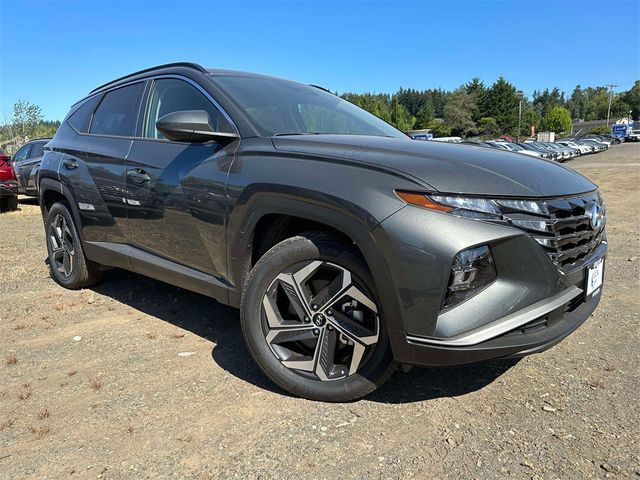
(320,88)
(194,66)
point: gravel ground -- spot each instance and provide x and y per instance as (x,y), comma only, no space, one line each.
(138,379)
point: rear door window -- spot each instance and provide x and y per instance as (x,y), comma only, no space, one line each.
(118,112)
(37,149)
(23,153)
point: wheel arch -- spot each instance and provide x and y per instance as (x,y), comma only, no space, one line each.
(289,217)
(50,191)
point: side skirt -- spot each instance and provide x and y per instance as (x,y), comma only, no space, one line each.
(136,260)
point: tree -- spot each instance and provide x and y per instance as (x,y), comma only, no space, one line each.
(458,113)
(530,118)
(545,101)
(377,104)
(425,115)
(577,103)
(25,118)
(439,128)
(632,98)
(411,99)
(478,93)
(502,103)
(489,127)
(558,120)
(597,103)
(400,116)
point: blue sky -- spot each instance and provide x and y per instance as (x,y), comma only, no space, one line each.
(53,53)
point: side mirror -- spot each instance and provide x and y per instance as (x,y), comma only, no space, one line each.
(190,126)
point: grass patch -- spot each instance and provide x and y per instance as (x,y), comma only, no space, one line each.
(12,359)
(95,383)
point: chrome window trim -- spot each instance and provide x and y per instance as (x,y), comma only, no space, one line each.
(148,79)
(198,87)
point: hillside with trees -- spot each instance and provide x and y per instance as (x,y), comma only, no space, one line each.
(476,109)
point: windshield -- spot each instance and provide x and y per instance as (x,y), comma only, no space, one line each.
(281,107)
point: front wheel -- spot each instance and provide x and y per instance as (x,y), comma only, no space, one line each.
(312,322)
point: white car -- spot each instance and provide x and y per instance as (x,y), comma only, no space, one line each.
(582,148)
(518,149)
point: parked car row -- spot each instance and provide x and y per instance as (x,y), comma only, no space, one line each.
(558,151)
(18,176)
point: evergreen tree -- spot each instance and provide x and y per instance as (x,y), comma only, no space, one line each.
(400,116)
(502,105)
(478,93)
(458,113)
(425,115)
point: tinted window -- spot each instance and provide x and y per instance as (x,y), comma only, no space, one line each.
(37,149)
(172,95)
(280,106)
(117,112)
(81,117)
(23,153)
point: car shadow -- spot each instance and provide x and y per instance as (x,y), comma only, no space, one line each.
(220,324)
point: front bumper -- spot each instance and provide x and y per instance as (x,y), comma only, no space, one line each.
(536,335)
(529,308)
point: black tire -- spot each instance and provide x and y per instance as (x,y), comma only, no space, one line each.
(8,204)
(76,270)
(372,370)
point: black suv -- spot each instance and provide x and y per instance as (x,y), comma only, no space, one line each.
(26,163)
(347,246)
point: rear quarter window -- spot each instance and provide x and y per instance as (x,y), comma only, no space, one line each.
(81,117)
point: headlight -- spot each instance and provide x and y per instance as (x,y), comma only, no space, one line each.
(467,206)
(473,207)
(472,270)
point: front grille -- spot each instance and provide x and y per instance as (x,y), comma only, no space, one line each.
(569,229)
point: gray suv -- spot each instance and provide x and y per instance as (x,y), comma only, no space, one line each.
(348,247)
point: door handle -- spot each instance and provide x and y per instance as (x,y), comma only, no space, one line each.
(138,176)
(70,163)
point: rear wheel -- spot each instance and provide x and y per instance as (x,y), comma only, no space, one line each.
(8,204)
(312,322)
(68,265)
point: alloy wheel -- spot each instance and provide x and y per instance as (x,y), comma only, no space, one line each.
(62,247)
(320,321)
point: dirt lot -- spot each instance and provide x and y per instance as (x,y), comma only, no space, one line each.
(138,379)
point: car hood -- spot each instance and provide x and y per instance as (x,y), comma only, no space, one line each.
(450,168)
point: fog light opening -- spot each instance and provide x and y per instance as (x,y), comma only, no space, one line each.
(473,269)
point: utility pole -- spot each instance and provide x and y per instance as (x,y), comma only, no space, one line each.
(520,94)
(611,87)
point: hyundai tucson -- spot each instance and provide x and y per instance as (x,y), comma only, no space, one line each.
(348,247)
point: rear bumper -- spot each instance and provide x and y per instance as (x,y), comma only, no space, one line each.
(8,188)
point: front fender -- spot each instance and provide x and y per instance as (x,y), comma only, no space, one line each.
(241,231)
